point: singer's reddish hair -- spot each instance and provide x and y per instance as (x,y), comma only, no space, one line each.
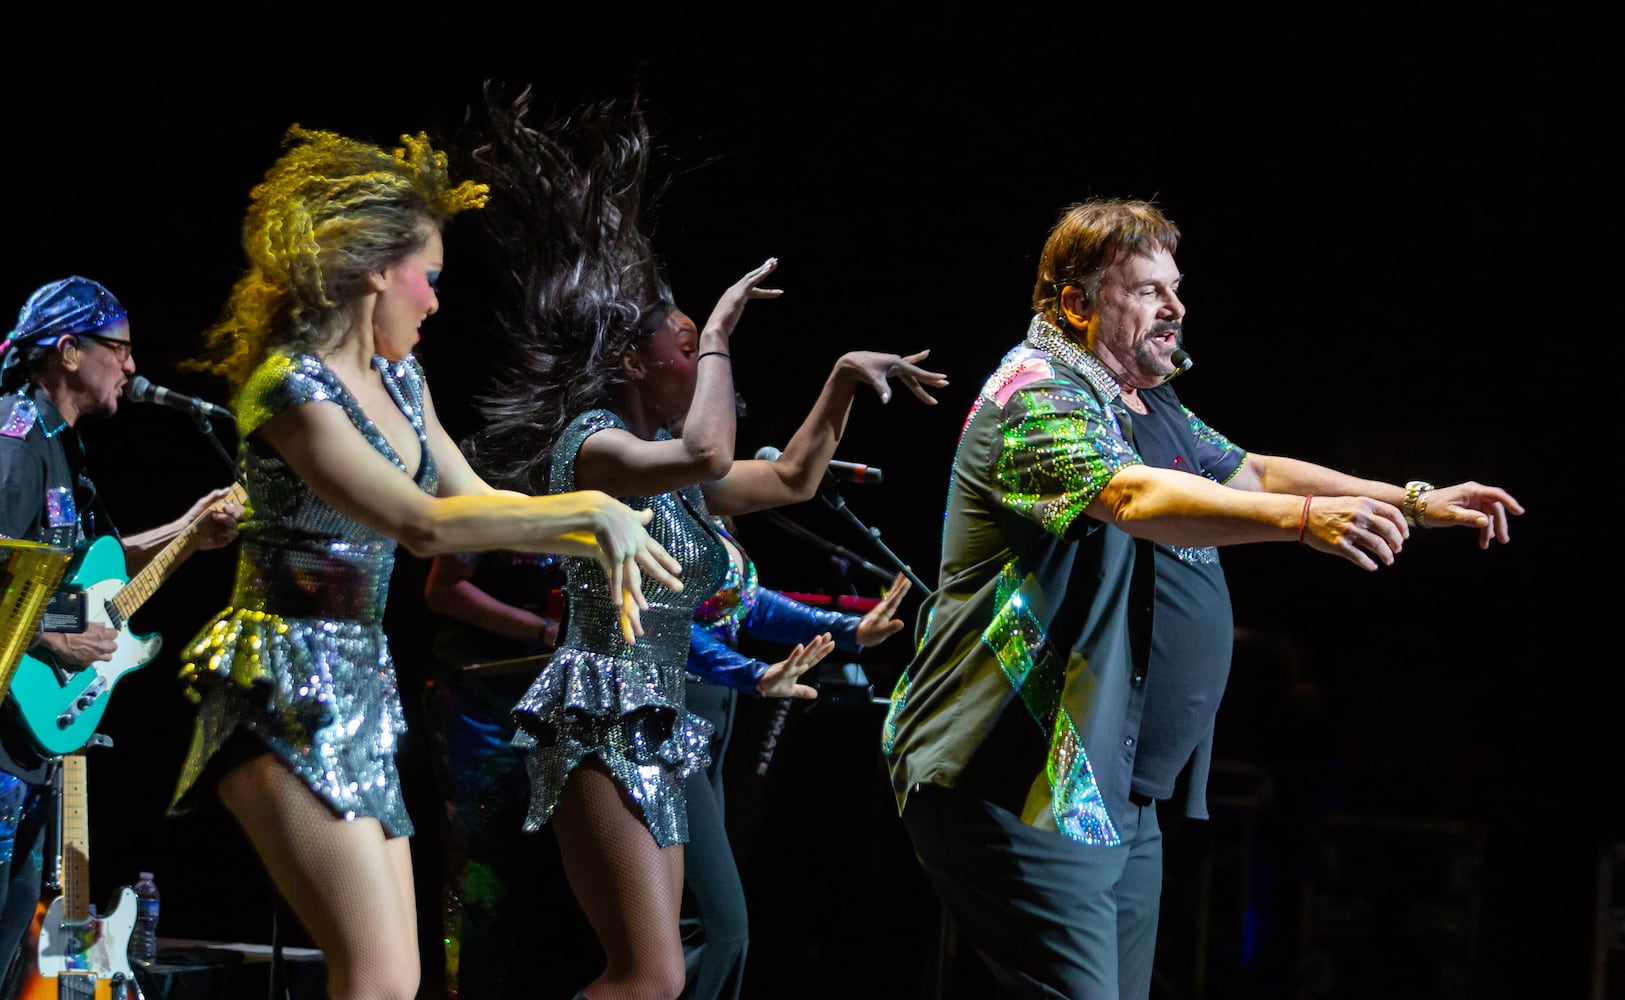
(1089,237)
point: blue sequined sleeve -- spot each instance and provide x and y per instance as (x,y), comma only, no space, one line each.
(773,618)
(711,658)
(777,618)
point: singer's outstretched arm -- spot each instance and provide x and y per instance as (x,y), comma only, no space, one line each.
(1286,499)
(753,484)
(1466,505)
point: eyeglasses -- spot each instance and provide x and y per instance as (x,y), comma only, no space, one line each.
(119,347)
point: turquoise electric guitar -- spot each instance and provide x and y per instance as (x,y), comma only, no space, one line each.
(61,709)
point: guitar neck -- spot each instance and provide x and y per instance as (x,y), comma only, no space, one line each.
(145,583)
(75,806)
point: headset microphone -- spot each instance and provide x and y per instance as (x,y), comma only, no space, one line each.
(1182,363)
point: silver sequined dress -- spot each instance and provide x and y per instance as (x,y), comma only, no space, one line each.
(623,702)
(299,659)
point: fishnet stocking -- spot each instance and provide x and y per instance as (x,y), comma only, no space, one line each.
(628,886)
(349,885)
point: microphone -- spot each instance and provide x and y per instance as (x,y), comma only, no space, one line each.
(846,472)
(139,390)
(1182,363)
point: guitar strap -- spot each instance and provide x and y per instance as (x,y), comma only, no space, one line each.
(17,756)
(94,520)
(51,876)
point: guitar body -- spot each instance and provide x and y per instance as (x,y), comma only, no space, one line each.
(61,716)
(83,958)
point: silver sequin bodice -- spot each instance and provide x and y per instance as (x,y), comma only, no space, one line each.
(299,659)
(621,702)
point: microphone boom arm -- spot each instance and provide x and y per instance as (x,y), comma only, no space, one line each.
(837,503)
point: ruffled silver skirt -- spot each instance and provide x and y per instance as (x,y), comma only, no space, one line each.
(320,694)
(630,714)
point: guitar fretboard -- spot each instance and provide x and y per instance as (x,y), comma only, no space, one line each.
(75,839)
(145,583)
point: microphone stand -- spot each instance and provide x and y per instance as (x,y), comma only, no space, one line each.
(203,424)
(833,499)
(847,558)
(837,503)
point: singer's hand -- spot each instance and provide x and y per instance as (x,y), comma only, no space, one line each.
(725,316)
(876,369)
(1362,530)
(879,624)
(1470,505)
(779,680)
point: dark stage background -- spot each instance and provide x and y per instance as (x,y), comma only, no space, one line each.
(1372,240)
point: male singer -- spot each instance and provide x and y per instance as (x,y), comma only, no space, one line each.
(68,357)
(1073,656)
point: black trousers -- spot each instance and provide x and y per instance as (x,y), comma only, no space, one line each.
(714,925)
(1051,916)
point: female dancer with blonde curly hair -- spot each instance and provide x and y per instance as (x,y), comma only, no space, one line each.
(343,457)
(603,365)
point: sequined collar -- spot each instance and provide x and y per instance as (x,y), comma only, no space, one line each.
(51,420)
(1044,336)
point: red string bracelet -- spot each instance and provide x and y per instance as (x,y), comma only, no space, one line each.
(1303,521)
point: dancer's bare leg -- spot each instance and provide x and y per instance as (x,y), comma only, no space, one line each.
(349,885)
(629,887)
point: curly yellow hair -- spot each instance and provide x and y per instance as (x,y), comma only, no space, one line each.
(330,212)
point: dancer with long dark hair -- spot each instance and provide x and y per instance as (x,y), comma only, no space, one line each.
(603,364)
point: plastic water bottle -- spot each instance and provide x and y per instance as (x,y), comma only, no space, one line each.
(144,936)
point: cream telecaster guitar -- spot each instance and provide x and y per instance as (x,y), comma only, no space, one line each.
(81,956)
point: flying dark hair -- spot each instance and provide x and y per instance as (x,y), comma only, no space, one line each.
(579,284)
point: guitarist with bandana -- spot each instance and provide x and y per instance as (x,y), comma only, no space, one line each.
(68,357)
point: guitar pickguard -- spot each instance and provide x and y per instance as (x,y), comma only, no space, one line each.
(96,946)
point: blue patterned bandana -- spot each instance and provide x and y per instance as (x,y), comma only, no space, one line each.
(69,306)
